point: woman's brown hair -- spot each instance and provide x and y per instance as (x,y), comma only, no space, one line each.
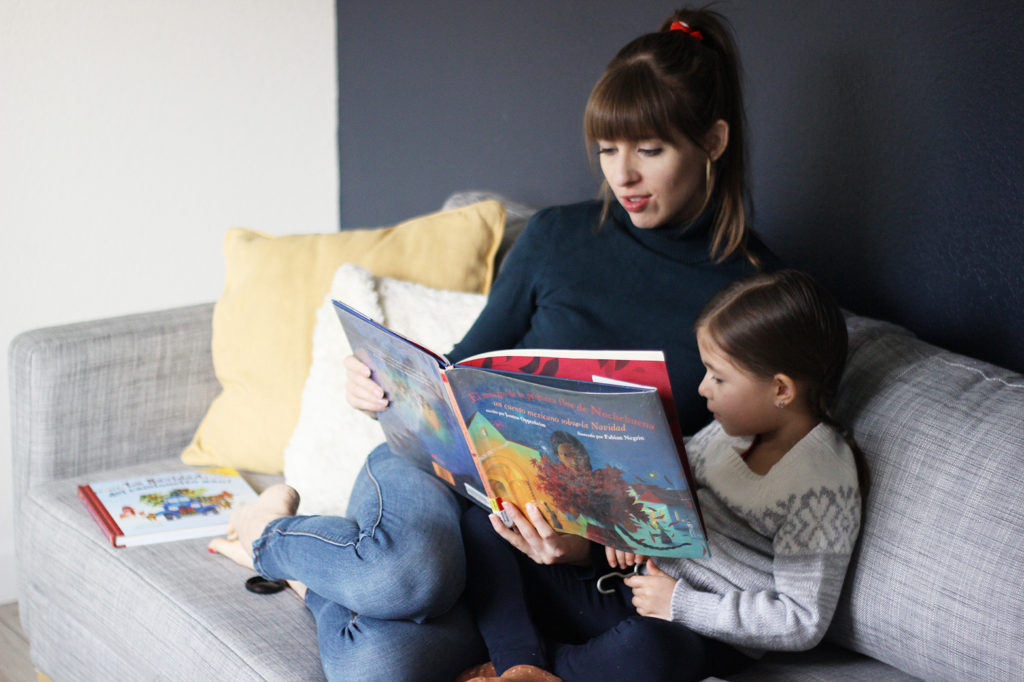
(672,85)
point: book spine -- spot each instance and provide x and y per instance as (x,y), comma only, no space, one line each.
(100,514)
(493,500)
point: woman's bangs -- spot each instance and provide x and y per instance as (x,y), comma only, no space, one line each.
(627,106)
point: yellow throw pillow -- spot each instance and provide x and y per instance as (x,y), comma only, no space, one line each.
(263,322)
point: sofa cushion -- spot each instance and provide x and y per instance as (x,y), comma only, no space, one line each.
(156,612)
(263,322)
(825,663)
(516,215)
(331,439)
(934,587)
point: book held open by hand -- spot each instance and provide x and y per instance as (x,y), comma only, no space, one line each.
(591,437)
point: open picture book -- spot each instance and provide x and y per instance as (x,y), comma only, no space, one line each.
(591,437)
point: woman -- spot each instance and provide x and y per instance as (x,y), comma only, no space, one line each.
(629,272)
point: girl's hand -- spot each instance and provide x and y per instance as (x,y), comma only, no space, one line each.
(619,559)
(533,536)
(652,593)
(362,392)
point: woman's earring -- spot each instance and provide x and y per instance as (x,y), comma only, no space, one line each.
(781,404)
(707,181)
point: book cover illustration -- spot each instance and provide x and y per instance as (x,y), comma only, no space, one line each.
(166,507)
(598,460)
(419,423)
(642,367)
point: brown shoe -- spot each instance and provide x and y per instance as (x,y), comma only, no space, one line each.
(528,673)
(483,671)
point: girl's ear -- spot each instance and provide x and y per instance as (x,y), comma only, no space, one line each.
(716,139)
(784,390)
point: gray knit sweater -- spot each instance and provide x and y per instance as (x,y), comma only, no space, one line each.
(780,543)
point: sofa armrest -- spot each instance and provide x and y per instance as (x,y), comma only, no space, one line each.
(96,395)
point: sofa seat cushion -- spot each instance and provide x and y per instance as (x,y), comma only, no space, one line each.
(166,611)
(173,611)
(825,663)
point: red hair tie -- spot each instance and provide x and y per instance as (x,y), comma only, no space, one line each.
(685,28)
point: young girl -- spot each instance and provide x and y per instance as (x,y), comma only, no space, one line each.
(779,489)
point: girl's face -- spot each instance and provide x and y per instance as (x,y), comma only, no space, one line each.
(659,183)
(742,403)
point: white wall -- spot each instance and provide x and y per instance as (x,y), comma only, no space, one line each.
(133,133)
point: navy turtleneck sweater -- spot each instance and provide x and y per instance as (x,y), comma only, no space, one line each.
(571,285)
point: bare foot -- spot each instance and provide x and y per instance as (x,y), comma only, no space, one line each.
(248,521)
(232,549)
(298,587)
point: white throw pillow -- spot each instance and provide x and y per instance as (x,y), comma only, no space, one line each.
(331,439)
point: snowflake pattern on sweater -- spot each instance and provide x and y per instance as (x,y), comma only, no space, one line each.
(821,520)
(780,543)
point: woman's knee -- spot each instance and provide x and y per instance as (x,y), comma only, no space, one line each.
(411,536)
(432,574)
(423,565)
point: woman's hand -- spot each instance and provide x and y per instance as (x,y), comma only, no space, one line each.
(533,536)
(652,593)
(621,560)
(362,392)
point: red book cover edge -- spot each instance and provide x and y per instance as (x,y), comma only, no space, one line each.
(100,513)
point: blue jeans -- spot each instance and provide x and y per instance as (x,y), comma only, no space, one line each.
(384,583)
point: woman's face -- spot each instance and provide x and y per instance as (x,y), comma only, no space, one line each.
(657,182)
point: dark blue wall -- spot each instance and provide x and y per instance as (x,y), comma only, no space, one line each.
(887,153)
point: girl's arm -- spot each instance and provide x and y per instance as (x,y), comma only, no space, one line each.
(794,617)
(792,613)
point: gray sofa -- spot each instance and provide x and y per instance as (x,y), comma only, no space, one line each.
(935,589)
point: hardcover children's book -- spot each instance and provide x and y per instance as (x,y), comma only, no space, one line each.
(591,437)
(164,507)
